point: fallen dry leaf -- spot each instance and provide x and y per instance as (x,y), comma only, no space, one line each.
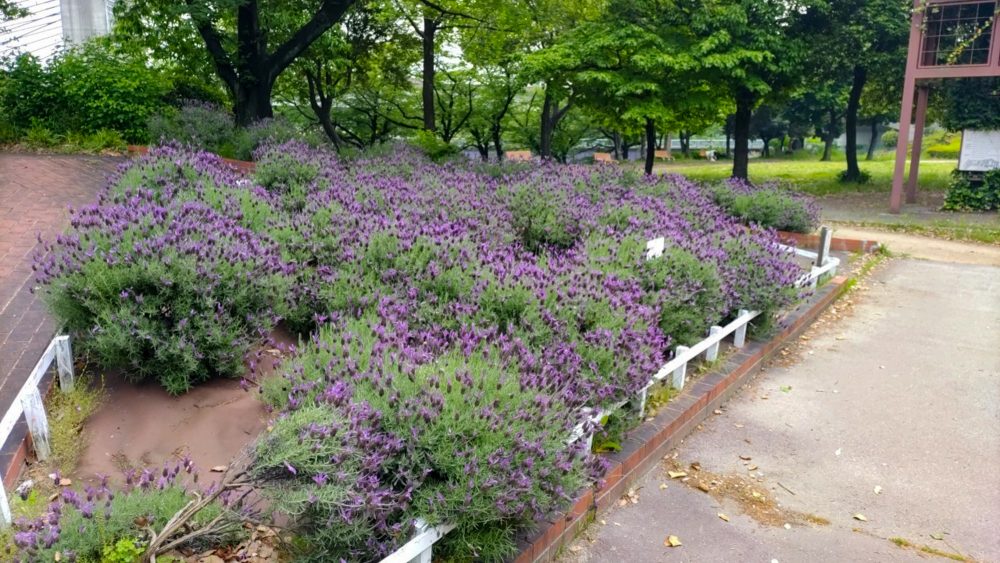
(219,469)
(723,517)
(676,474)
(878,490)
(738,425)
(752,467)
(663,486)
(717,411)
(64,482)
(937,536)
(672,541)
(860,517)
(703,487)
(745,457)
(837,452)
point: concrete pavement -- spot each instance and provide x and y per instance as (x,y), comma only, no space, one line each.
(900,395)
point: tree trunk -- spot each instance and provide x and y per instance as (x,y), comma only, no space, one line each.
(729,138)
(685,137)
(767,147)
(741,134)
(650,145)
(545,142)
(484,151)
(249,72)
(551,114)
(616,139)
(253,100)
(329,128)
(781,146)
(828,141)
(497,144)
(428,37)
(874,140)
(626,147)
(853,173)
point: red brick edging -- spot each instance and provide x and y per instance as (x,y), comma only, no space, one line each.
(836,244)
(648,443)
(243,166)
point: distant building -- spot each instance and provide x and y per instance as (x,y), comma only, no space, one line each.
(51,24)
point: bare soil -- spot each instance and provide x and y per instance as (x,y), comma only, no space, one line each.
(141,425)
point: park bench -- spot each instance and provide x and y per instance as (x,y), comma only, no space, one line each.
(662,155)
(518,155)
(603,157)
(707,154)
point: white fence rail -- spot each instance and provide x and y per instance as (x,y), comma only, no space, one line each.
(418,549)
(29,403)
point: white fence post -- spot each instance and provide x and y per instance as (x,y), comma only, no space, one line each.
(712,353)
(38,424)
(681,372)
(641,407)
(740,337)
(824,246)
(5,517)
(64,363)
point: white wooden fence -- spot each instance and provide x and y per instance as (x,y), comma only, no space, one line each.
(29,402)
(418,549)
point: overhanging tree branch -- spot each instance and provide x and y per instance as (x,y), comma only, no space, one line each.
(329,13)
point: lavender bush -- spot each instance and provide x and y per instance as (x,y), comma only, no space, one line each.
(768,205)
(380,429)
(207,126)
(159,282)
(87,525)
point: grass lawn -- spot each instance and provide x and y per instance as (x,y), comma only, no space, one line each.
(813,176)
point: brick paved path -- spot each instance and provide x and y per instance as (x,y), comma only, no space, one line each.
(35,192)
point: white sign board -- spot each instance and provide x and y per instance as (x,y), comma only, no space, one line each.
(980,151)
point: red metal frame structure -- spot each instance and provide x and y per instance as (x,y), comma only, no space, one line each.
(970,29)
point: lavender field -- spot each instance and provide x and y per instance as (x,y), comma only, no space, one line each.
(454,319)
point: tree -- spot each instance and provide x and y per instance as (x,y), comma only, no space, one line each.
(749,49)
(635,69)
(10,11)
(497,90)
(367,53)
(880,100)
(969,103)
(428,18)
(853,38)
(549,62)
(237,36)
(766,125)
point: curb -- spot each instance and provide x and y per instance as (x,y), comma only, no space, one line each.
(649,442)
(242,166)
(836,244)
